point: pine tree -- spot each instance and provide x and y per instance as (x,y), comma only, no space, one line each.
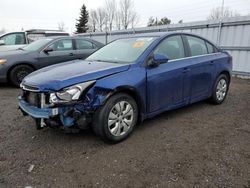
(81,25)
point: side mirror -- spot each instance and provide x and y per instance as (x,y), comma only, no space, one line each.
(157,59)
(2,42)
(47,50)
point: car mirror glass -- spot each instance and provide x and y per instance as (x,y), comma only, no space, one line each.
(157,59)
(47,50)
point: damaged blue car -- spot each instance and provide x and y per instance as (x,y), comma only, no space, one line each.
(125,82)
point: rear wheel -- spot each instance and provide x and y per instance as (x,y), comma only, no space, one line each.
(116,120)
(220,89)
(18,73)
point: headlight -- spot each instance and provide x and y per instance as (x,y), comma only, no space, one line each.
(69,94)
(3,61)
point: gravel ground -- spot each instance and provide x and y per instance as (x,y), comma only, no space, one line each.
(201,145)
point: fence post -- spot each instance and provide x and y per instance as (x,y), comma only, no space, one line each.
(219,33)
(106,37)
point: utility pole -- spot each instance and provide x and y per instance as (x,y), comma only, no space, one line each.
(220,23)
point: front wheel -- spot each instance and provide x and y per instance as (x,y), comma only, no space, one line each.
(116,120)
(18,73)
(220,89)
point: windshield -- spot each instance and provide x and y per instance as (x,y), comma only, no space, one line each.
(122,50)
(36,45)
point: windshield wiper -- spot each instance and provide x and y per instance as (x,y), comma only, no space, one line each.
(106,61)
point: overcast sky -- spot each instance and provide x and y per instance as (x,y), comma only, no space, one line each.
(28,14)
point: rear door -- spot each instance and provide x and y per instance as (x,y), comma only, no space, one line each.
(62,50)
(84,48)
(200,68)
(165,83)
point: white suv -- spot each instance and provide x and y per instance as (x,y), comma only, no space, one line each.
(15,40)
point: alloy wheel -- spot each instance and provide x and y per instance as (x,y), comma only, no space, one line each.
(221,89)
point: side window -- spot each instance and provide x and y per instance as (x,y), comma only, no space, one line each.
(172,47)
(210,48)
(13,39)
(62,45)
(83,44)
(35,36)
(197,46)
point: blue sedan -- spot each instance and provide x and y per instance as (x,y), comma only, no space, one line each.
(125,82)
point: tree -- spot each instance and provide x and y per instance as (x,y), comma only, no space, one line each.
(154,22)
(151,22)
(118,21)
(100,18)
(164,21)
(216,13)
(110,7)
(61,26)
(93,20)
(127,12)
(81,25)
(134,19)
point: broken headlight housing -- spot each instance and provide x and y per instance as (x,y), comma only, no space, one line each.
(70,94)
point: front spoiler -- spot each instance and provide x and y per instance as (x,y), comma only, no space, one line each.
(35,112)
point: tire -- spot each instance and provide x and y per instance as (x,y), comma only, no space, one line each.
(116,119)
(18,73)
(220,89)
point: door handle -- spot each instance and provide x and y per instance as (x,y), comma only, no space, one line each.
(211,62)
(185,70)
(71,54)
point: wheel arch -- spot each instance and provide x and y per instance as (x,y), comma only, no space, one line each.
(18,64)
(131,91)
(227,73)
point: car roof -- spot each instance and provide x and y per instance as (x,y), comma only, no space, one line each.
(158,34)
(53,38)
(164,34)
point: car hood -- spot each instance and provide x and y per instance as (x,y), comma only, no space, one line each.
(56,77)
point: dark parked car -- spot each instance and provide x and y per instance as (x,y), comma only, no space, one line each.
(15,40)
(127,81)
(16,64)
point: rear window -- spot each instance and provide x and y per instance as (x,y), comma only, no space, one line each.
(197,46)
(83,44)
(210,48)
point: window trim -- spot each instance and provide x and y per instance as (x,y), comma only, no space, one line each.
(197,56)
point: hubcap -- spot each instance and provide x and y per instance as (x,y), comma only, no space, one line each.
(221,89)
(120,118)
(21,74)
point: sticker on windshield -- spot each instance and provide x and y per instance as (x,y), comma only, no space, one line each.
(138,44)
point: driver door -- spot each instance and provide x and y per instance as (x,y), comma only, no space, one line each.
(60,51)
(166,83)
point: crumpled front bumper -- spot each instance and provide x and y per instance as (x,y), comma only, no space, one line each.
(35,112)
(66,116)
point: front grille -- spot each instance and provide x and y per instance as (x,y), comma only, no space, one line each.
(32,98)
